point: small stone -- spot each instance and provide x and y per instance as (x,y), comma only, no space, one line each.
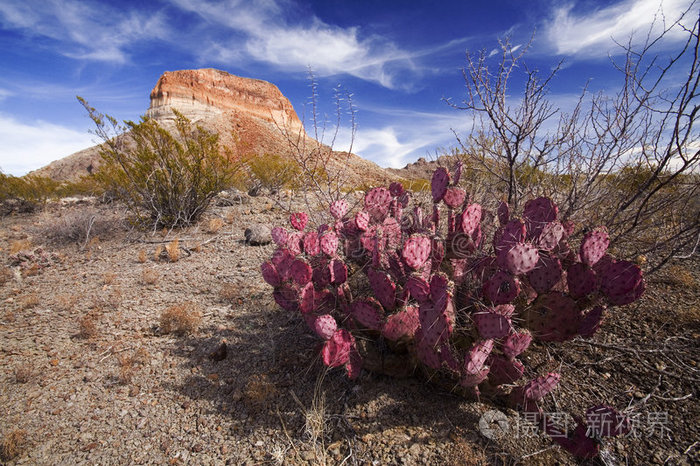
(258,235)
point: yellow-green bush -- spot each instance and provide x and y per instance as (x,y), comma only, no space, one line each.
(165,178)
(26,193)
(274,172)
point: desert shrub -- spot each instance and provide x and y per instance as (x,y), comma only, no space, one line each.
(214,225)
(27,193)
(448,294)
(181,319)
(166,178)
(149,276)
(274,172)
(173,250)
(78,227)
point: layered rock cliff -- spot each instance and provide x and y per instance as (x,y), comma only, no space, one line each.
(251,117)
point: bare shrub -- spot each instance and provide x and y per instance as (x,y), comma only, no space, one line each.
(629,161)
(20,245)
(79,227)
(157,252)
(65,302)
(150,276)
(230,292)
(259,389)
(181,319)
(13,444)
(30,301)
(87,327)
(109,278)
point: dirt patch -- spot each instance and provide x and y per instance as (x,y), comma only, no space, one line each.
(89,376)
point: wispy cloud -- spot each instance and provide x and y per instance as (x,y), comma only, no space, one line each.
(28,146)
(592,34)
(262,32)
(411,134)
(83,30)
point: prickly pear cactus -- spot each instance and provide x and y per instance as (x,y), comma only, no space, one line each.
(459,296)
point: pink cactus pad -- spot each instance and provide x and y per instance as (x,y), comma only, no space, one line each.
(325,326)
(377,202)
(551,235)
(622,283)
(501,288)
(338,272)
(270,275)
(471,218)
(546,274)
(362,220)
(300,271)
(403,324)
(354,365)
(491,325)
(569,228)
(439,183)
(553,317)
(339,208)
(286,298)
(505,310)
(516,343)
(279,236)
(299,220)
(519,258)
(336,351)
(538,213)
(307,298)
(294,242)
(329,243)
(591,322)
(396,189)
(426,352)
(505,370)
(503,213)
(454,197)
(368,312)
(311,244)
(416,251)
(435,321)
(439,287)
(457,173)
(594,246)
(383,287)
(418,288)
(472,380)
(513,233)
(476,357)
(581,280)
(537,388)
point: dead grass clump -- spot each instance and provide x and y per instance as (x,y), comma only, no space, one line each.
(80,227)
(109,278)
(230,292)
(87,327)
(23,373)
(214,225)
(5,275)
(149,276)
(65,302)
(13,444)
(128,365)
(181,319)
(680,276)
(142,256)
(173,250)
(230,216)
(30,301)
(259,389)
(20,245)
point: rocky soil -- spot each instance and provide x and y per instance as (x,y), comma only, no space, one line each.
(88,373)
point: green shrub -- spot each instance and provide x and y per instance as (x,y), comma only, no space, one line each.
(274,172)
(167,179)
(26,193)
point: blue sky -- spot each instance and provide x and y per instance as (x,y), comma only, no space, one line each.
(399,59)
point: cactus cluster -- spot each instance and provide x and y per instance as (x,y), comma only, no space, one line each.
(431,287)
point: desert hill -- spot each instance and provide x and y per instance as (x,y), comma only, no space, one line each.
(251,116)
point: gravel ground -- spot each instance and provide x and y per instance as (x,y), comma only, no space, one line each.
(89,375)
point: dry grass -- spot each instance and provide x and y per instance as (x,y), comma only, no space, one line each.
(157,252)
(29,301)
(150,276)
(142,256)
(20,245)
(128,365)
(23,373)
(230,216)
(87,326)
(680,276)
(230,292)
(181,319)
(173,250)
(259,389)
(109,278)
(65,302)
(13,444)
(5,275)
(214,225)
